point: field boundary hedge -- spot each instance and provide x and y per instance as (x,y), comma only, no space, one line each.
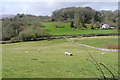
(65,36)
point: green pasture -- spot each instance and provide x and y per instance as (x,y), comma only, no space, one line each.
(46,59)
(101,42)
(50,26)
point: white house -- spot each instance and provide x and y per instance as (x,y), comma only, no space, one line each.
(105,26)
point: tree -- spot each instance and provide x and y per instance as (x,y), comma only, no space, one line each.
(97,17)
(86,16)
(72,25)
(77,20)
(24,27)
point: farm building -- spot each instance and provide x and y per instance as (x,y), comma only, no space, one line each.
(105,26)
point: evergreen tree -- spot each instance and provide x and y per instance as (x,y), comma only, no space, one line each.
(72,25)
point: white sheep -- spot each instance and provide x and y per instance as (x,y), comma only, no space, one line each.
(103,53)
(67,53)
(26,51)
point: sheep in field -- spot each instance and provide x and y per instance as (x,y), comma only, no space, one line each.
(26,51)
(67,53)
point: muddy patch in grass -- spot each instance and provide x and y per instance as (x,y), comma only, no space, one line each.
(113,46)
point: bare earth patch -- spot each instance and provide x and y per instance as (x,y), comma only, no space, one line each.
(111,46)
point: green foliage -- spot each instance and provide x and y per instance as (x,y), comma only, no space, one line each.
(52,19)
(72,24)
(90,26)
(32,34)
(23,26)
(50,26)
(27,35)
(114,20)
(77,21)
(14,39)
(96,27)
(21,23)
(83,28)
(68,14)
(85,15)
(98,17)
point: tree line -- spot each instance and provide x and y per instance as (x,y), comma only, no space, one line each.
(85,15)
(22,27)
(28,27)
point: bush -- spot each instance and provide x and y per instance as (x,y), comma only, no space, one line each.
(21,26)
(32,34)
(14,39)
(90,26)
(96,27)
(83,28)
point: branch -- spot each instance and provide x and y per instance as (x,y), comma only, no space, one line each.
(108,69)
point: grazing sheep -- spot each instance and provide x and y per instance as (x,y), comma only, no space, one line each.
(103,53)
(26,51)
(67,53)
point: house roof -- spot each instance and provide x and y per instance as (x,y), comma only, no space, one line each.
(105,26)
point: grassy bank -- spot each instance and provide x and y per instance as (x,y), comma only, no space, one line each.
(101,42)
(51,27)
(50,61)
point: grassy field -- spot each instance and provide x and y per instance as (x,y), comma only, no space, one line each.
(50,26)
(103,41)
(51,62)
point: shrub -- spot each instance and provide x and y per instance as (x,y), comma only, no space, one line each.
(14,39)
(90,26)
(32,34)
(96,27)
(83,28)
(21,26)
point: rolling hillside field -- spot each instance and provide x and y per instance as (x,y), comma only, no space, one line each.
(46,59)
(51,27)
(59,40)
(100,42)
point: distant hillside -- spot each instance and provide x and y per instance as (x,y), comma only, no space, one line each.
(85,15)
(6,16)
